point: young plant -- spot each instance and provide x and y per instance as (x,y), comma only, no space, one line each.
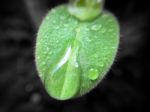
(76,45)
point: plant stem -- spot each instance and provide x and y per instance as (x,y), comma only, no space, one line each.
(85,9)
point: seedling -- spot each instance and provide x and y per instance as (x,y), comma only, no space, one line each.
(76,46)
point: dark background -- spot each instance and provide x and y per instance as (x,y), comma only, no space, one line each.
(124,89)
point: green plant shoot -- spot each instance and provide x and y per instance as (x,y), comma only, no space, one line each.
(75,49)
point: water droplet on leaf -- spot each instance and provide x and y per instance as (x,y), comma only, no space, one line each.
(53,21)
(65,25)
(96,27)
(110,30)
(93,74)
(56,27)
(101,65)
(103,30)
(89,40)
(114,47)
(62,17)
(43,63)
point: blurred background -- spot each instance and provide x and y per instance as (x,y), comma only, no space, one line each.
(124,89)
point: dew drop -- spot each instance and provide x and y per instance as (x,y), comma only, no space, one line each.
(47,49)
(75,22)
(45,53)
(86,29)
(89,40)
(103,30)
(76,64)
(101,65)
(77,30)
(114,33)
(65,25)
(62,17)
(50,53)
(57,27)
(114,47)
(110,30)
(53,21)
(43,63)
(96,27)
(93,74)
(57,41)
(95,55)
(105,58)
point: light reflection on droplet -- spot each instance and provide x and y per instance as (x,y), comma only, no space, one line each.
(96,27)
(63,60)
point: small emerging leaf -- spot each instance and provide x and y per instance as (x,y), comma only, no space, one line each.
(72,56)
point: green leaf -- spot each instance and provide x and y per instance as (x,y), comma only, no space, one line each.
(72,56)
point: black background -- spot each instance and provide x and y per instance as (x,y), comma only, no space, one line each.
(124,89)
